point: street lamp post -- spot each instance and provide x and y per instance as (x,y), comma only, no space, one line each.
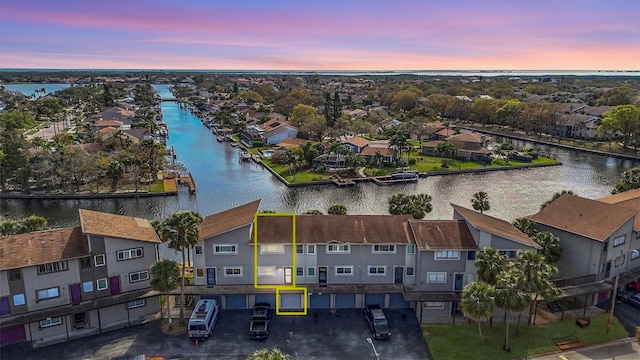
(618,262)
(374,348)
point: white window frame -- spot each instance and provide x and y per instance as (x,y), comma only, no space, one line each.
(51,293)
(19,300)
(52,321)
(101,262)
(301,247)
(129,254)
(411,249)
(634,254)
(619,240)
(413,271)
(272,249)
(311,249)
(344,267)
(338,249)
(52,267)
(267,271)
(197,250)
(233,270)
(311,273)
(377,270)
(446,255)
(433,277)
(106,284)
(430,305)
(136,303)
(220,249)
(87,284)
(378,249)
(299,271)
(140,276)
(201,274)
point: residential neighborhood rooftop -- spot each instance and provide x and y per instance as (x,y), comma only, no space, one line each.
(227,220)
(442,234)
(117,226)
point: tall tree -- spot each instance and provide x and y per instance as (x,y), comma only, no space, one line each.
(418,205)
(480,201)
(181,231)
(629,180)
(538,276)
(510,296)
(115,172)
(550,244)
(165,277)
(477,303)
(489,264)
(624,119)
(525,225)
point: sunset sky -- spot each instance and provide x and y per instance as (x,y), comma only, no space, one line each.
(321,35)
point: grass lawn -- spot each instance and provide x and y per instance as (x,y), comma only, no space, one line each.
(463,341)
(300,176)
(158,186)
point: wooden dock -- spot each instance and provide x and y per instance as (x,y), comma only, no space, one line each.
(388,180)
(343,182)
(172,179)
(170,185)
(188,179)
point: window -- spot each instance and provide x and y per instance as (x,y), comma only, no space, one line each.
(447,254)
(634,254)
(299,271)
(139,276)
(50,322)
(299,249)
(233,271)
(272,249)
(434,305)
(344,270)
(136,303)
(18,300)
(199,272)
(386,249)
(605,246)
(47,293)
(311,271)
(99,260)
(198,250)
(266,271)
(376,270)
(509,254)
(410,271)
(102,284)
(311,249)
(15,275)
(85,263)
(87,286)
(436,277)
(225,249)
(411,249)
(471,255)
(338,248)
(52,267)
(617,241)
(129,254)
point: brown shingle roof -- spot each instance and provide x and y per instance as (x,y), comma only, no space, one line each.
(228,220)
(495,226)
(586,217)
(42,247)
(119,226)
(319,229)
(630,199)
(442,234)
(355,140)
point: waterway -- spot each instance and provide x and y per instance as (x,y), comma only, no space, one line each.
(224,182)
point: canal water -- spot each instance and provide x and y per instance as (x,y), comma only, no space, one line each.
(224,182)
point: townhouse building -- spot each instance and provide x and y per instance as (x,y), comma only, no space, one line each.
(67,283)
(346,261)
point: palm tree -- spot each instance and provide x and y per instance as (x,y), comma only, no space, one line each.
(525,225)
(337,209)
(538,276)
(510,296)
(550,244)
(398,141)
(489,264)
(477,303)
(269,354)
(9,227)
(480,201)
(415,205)
(32,223)
(115,172)
(181,230)
(165,277)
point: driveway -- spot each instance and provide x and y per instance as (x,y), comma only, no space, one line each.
(327,335)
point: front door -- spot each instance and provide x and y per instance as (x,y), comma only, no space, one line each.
(76,294)
(607,271)
(114,283)
(322,275)
(79,321)
(399,271)
(458,280)
(288,275)
(211,276)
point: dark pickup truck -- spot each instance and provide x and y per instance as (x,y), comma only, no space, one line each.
(259,327)
(377,322)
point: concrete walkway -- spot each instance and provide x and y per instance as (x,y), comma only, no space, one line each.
(626,349)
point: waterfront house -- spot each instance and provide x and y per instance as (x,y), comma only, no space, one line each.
(60,284)
(355,143)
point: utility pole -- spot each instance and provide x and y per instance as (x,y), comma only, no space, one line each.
(618,262)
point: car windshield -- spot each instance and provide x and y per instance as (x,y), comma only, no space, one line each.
(380,321)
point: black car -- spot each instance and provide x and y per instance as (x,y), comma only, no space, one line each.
(260,321)
(377,322)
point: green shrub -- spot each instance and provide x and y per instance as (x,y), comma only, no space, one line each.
(412,161)
(506,146)
(257,143)
(499,162)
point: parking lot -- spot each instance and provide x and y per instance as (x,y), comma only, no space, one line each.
(320,335)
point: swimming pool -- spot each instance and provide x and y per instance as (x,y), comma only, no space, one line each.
(267,153)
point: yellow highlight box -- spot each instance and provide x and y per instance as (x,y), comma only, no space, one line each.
(288,288)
